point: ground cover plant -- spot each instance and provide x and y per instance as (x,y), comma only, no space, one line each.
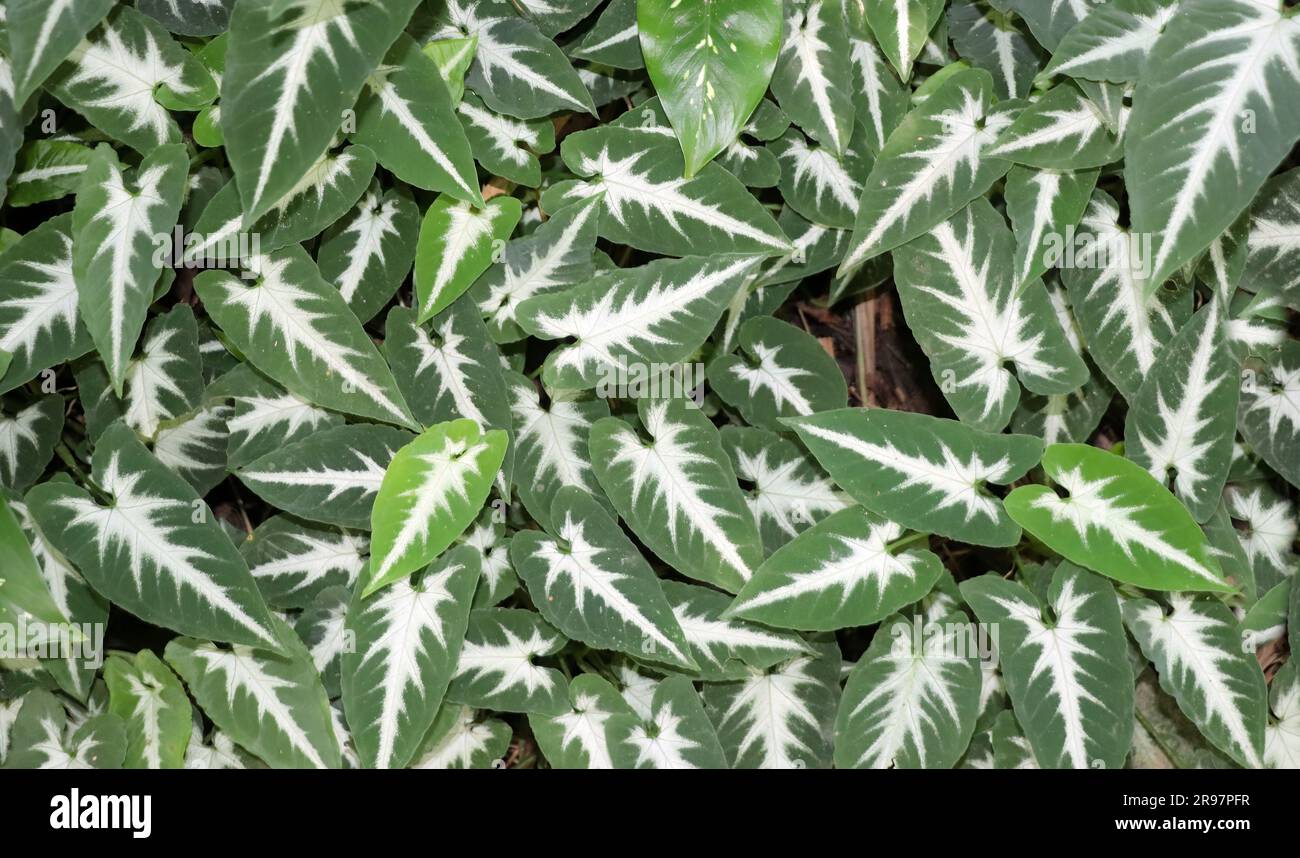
(649,383)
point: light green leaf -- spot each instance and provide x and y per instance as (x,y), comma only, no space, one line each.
(726,648)
(152,703)
(43,738)
(42,34)
(1112,43)
(710,66)
(1043,204)
(432,491)
(22,585)
(1062,130)
(367,254)
(457,243)
(1118,520)
(901,28)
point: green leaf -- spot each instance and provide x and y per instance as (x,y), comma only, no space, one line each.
(1182,424)
(453,371)
(1062,130)
(367,254)
(1271,264)
(1270,411)
(647,203)
(42,34)
(675,488)
(629,325)
(844,571)
(710,66)
(126,75)
(912,699)
(330,476)
(505,146)
(293,74)
(1270,526)
(558,254)
(1065,663)
(901,28)
(272,704)
(407,117)
(22,585)
(784,487)
(457,243)
(462,739)
(432,490)
(48,170)
(43,738)
(39,314)
(266,418)
(27,439)
(933,164)
(591,583)
(926,473)
(293,561)
(1198,653)
(577,739)
(782,718)
(880,100)
(726,648)
(1282,735)
(164,382)
(1118,520)
(551,450)
(298,329)
(1106,271)
(674,734)
(613,39)
(496,669)
(1041,205)
(996,42)
(961,298)
(1205,132)
(154,548)
(408,640)
(1112,43)
(517,70)
(152,703)
(819,185)
(115,257)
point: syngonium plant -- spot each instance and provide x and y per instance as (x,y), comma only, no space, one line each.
(342,347)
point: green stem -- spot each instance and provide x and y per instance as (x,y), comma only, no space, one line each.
(71,461)
(905,541)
